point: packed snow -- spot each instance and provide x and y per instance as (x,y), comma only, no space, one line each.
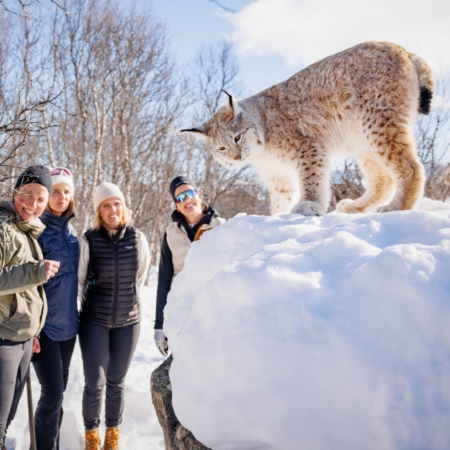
(321,333)
(140,428)
(297,333)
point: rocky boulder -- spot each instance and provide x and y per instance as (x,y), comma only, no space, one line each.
(176,437)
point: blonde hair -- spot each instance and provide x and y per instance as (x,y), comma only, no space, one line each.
(126,217)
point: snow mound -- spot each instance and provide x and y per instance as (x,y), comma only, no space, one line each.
(291,332)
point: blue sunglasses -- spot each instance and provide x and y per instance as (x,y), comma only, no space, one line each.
(180,198)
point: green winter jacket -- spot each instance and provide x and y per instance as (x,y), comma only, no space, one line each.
(23,305)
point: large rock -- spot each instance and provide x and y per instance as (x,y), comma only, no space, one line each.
(176,437)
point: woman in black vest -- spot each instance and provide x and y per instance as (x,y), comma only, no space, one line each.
(114,260)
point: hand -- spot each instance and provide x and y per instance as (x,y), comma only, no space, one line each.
(161,342)
(51,268)
(36,346)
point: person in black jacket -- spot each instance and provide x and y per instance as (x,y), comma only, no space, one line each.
(57,338)
(191,219)
(114,260)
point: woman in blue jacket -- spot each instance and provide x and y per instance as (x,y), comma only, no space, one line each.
(57,339)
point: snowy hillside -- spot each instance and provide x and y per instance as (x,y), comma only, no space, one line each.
(323,333)
(140,428)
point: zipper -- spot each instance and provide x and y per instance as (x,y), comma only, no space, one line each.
(183,231)
(116,282)
(35,254)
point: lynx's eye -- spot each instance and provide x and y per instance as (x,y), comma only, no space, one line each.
(237,138)
(222,149)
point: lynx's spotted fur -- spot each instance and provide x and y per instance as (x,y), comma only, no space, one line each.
(361,103)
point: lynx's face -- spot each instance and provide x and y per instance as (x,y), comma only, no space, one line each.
(232,135)
(232,141)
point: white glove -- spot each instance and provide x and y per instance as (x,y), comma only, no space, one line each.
(161,342)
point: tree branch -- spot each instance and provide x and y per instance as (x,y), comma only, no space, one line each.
(222,6)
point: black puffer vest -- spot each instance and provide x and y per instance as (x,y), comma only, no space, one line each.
(111,298)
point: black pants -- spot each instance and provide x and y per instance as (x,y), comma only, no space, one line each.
(107,354)
(52,369)
(14,365)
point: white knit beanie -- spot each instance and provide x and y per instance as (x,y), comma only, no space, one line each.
(107,190)
(62,176)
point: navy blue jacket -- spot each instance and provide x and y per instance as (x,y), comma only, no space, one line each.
(59,243)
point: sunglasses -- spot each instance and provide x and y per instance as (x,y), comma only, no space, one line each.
(180,198)
(59,171)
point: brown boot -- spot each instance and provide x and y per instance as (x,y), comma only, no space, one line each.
(112,438)
(92,439)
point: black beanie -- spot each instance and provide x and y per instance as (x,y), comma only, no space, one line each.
(179,181)
(35,174)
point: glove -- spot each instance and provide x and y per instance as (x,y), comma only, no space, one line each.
(161,342)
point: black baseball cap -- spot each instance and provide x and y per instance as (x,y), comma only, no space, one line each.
(179,181)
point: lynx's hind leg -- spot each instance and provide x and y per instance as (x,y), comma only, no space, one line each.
(400,158)
(379,186)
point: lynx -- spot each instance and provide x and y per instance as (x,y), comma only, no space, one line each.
(359,103)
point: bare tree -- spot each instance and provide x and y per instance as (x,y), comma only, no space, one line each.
(24,9)
(231,191)
(117,110)
(220,5)
(29,91)
(346,182)
(433,142)
(106,100)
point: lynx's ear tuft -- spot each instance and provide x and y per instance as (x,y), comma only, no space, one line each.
(232,104)
(199,132)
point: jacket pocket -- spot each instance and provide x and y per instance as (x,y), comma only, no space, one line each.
(5,307)
(14,308)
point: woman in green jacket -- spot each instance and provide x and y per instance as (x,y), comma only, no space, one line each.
(23,271)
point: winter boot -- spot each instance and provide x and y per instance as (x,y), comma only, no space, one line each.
(112,438)
(92,439)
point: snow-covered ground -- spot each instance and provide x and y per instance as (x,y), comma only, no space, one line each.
(294,333)
(323,333)
(140,428)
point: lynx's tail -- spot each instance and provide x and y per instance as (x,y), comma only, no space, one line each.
(426,83)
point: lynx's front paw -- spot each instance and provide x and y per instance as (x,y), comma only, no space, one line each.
(349,207)
(308,209)
(385,208)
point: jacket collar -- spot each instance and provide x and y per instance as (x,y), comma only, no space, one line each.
(34,228)
(116,237)
(179,218)
(55,222)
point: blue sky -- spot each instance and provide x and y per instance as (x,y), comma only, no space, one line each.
(193,23)
(276,38)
